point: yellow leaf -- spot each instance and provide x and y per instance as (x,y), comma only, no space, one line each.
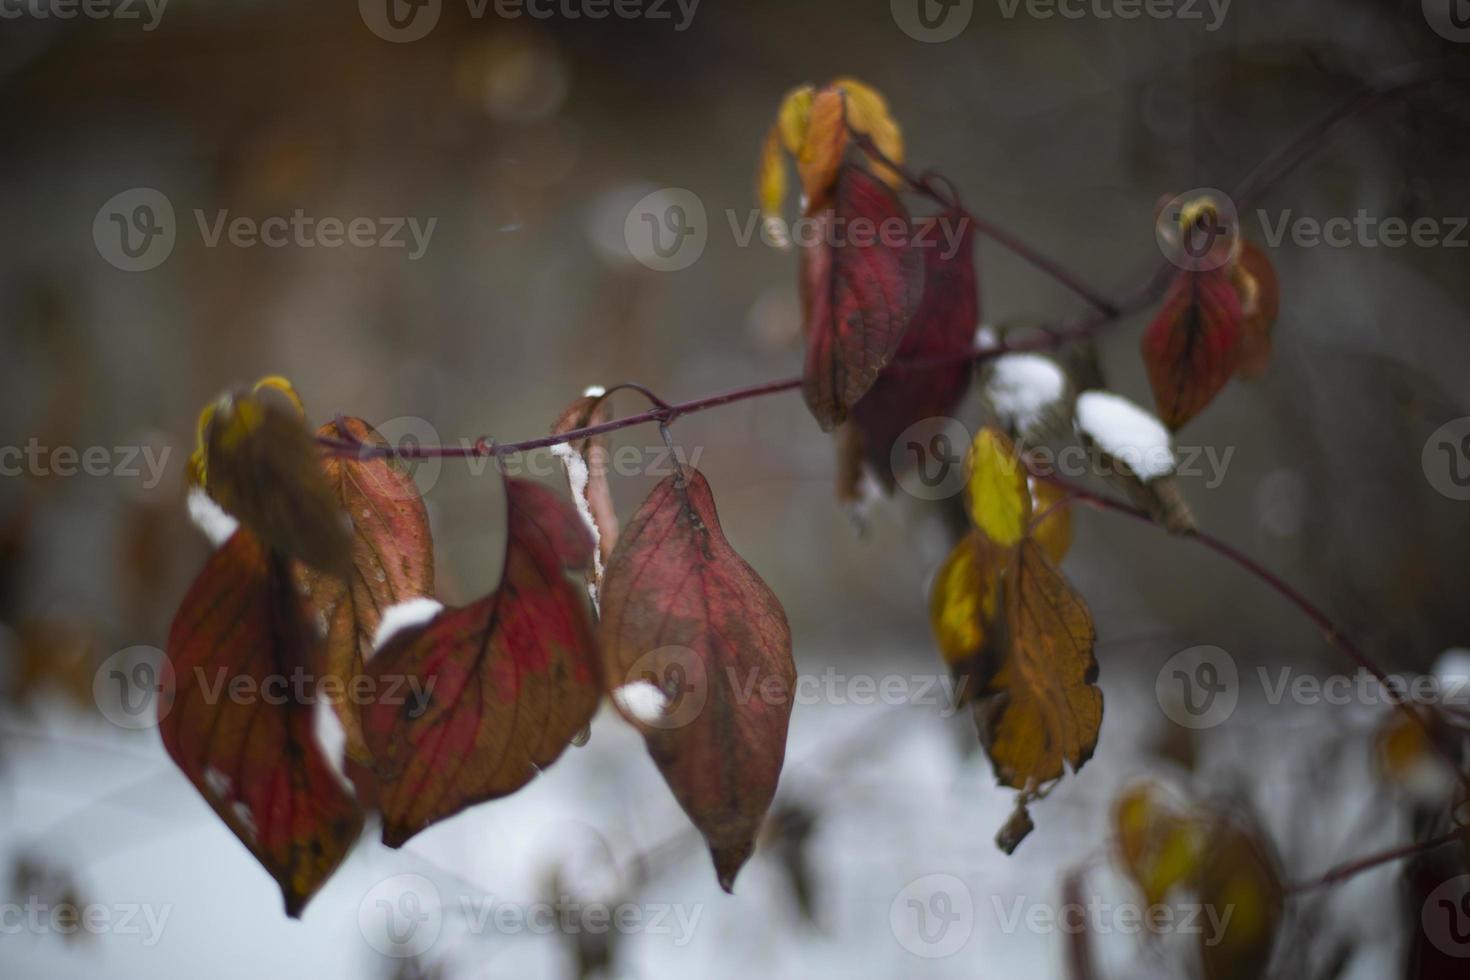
(1041,710)
(793,117)
(1053,525)
(821,150)
(962,602)
(997,493)
(771,177)
(867,112)
(1239,877)
(1159,846)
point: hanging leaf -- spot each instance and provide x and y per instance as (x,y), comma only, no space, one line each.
(1239,875)
(943,324)
(822,149)
(1260,301)
(392,562)
(997,493)
(240,726)
(1051,522)
(586,462)
(858,296)
(258,461)
(682,608)
(963,599)
(1192,346)
(1041,708)
(506,682)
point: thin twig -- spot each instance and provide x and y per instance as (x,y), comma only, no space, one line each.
(1352,868)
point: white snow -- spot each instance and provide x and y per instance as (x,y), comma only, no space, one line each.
(643,700)
(594,391)
(1022,387)
(210,517)
(331,738)
(403,615)
(577,479)
(1127,433)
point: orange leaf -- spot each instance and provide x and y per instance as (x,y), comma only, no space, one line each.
(1260,301)
(822,149)
(688,623)
(1193,344)
(509,680)
(241,727)
(392,562)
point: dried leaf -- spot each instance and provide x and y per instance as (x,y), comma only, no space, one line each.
(258,461)
(1260,302)
(240,634)
(1041,708)
(588,482)
(944,323)
(678,596)
(858,296)
(392,562)
(502,685)
(1192,346)
(997,492)
(822,149)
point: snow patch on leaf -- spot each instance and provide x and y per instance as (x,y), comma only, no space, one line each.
(210,517)
(578,478)
(402,616)
(1127,433)
(643,700)
(331,738)
(1023,387)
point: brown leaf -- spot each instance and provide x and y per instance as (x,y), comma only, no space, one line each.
(506,682)
(1260,302)
(594,494)
(1192,346)
(860,286)
(392,562)
(682,608)
(822,149)
(1041,708)
(240,726)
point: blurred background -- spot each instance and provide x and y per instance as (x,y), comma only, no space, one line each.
(519,148)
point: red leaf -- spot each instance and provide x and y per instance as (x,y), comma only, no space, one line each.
(507,681)
(860,286)
(1193,345)
(944,323)
(1260,294)
(253,755)
(681,607)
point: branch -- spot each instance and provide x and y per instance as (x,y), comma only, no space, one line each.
(1345,871)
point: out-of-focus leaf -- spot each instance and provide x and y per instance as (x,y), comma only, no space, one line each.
(1159,845)
(684,615)
(944,323)
(254,755)
(867,112)
(258,460)
(794,117)
(997,493)
(1260,302)
(392,562)
(1239,876)
(1051,523)
(496,690)
(770,180)
(859,293)
(1192,346)
(822,149)
(1041,709)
